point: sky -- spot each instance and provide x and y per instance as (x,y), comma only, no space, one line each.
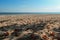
(29,5)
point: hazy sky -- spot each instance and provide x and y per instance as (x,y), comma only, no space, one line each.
(29,5)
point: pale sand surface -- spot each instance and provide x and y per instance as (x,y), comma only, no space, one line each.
(46,27)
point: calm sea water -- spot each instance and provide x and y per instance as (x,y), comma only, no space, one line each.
(18,13)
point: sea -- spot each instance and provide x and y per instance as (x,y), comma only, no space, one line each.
(19,13)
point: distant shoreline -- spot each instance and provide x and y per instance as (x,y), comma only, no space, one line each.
(19,13)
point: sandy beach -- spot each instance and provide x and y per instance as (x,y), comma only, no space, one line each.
(30,27)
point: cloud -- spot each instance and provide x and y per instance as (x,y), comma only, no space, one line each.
(41,9)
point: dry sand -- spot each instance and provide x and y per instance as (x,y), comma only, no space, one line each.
(42,27)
